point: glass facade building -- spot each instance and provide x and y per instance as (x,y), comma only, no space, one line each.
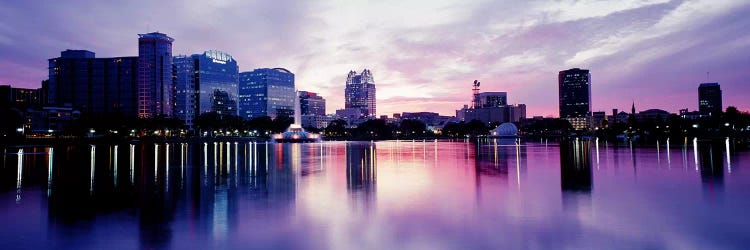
(93,85)
(266,92)
(360,92)
(185,89)
(575,97)
(155,83)
(205,82)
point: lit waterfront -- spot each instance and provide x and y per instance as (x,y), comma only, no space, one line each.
(381,195)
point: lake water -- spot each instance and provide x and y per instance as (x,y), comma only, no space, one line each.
(382,195)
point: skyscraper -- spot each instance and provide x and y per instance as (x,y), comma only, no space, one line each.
(205,82)
(93,85)
(709,99)
(575,97)
(360,92)
(266,92)
(155,75)
(186,89)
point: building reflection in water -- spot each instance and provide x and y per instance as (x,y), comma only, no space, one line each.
(361,173)
(575,173)
(493,160)
(710,163)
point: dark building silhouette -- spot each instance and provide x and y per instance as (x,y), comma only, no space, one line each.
(575,97)
(93,85)
(155,83)
(709,99)
(21,97)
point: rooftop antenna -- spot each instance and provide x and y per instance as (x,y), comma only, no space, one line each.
(707,74)
(475,91)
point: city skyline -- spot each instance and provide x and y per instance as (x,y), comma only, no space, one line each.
(425,57)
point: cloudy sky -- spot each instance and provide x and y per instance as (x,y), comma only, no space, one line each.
(423,54)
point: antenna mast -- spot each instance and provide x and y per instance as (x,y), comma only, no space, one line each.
(475,92)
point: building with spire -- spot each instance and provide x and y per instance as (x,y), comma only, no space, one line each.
(359,93)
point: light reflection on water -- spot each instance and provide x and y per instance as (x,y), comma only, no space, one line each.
(391,194)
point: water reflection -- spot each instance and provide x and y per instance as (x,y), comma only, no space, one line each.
(575,166)
(361,173)
(711,164)
(418,194)
(576,176)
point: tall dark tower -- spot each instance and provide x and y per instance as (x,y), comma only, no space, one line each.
(475,94)
(575,97)
(709,99)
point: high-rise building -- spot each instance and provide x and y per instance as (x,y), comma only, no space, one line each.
(311,103)
(575,97)
(266,92)
(155,82)
(360,92)
(186,89)
(93,85)
(709,99)
(206,82)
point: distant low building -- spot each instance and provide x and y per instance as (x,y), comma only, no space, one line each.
(599,120)
(653,115)
(501,114)
(690,115)
(21,97)
(350,113)
(317,121)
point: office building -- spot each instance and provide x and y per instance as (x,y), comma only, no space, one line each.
(575,97)
(266,92)
(185,89)
(93,85)
(360,92)
(155,82)
(501,114)
(311,103)
(709,99)
(21,97)
(491,99)
(206,82)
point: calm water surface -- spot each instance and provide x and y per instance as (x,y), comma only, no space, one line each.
(382,195)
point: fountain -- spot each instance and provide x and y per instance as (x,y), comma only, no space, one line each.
(295,132)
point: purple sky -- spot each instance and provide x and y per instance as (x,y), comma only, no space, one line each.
(423,54)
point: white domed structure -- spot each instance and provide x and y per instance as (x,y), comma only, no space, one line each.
(505,130)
